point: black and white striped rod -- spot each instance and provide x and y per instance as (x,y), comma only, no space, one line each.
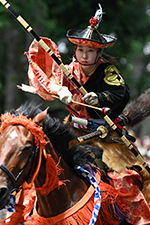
(30,30)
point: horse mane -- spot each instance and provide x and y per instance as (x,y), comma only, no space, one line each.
(83,154)
(59,134)
(137,110)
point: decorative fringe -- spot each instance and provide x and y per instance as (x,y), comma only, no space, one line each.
(8,119)
(81,217)
(52,181)
(107,214)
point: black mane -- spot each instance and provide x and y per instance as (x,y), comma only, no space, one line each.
(59,134)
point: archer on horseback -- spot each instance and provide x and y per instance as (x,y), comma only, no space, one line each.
(47,78)
(91,78)
(93,69)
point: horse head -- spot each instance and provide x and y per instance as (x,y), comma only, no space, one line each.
(18,152)
(31,145)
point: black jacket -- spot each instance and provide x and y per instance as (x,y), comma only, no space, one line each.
(111,89)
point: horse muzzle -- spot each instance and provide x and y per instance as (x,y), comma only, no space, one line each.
(4,196)
(5,189)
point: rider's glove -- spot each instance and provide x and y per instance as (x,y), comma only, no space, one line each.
(62,91)
(90,98)
(65,95)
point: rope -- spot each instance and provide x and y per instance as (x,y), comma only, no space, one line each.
(97,195)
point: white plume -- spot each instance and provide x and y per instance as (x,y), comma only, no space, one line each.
(98,15)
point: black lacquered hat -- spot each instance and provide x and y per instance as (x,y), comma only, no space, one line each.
(90,36)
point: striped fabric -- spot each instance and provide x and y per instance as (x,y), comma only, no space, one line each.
(10,206)
(97,195)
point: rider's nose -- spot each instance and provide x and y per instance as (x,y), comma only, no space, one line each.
(85,56)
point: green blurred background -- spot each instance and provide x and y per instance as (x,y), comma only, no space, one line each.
(128,20)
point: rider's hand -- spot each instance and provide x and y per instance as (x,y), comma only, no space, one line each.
(65,95)
(90,98)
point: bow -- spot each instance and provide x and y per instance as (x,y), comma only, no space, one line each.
(30,30)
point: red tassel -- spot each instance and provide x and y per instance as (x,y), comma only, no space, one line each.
(52,180)
(93,22)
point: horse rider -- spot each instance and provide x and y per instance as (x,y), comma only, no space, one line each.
(91,67)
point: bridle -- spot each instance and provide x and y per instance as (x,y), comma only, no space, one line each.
(14,179)
(39,140)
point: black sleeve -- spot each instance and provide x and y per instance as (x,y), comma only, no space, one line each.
(115,92)
(112,96)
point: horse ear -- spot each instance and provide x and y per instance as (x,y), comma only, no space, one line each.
(39,118)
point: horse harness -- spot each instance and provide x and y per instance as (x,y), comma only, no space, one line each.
(14,179)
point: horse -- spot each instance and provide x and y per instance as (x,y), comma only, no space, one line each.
(35,154)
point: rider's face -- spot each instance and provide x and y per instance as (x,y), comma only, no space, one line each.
(86,55)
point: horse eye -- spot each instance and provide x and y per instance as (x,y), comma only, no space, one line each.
(28,148)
